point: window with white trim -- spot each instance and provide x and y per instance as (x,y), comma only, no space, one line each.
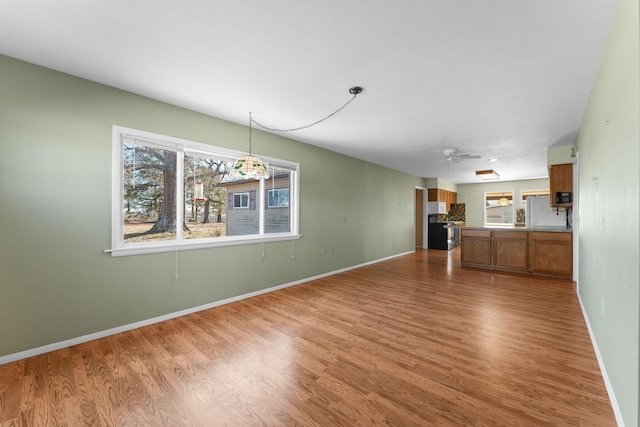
(498,209)
(241,201)
(278,198)
(170,194)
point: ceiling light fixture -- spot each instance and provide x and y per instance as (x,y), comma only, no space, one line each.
(488,174)
(252,167)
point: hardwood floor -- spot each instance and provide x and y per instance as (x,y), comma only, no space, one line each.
(414,341)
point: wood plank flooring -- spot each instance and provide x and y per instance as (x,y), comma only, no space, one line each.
(414,341)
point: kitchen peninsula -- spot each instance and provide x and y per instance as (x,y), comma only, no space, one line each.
(532,251)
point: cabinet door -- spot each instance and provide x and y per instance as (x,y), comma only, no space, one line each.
(432,195)
(560,180)
(476,247)
(510,250)
(551,253)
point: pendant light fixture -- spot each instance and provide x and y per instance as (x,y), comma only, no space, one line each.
(252,167)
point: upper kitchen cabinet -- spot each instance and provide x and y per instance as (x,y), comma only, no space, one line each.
(440,195)
(561,181)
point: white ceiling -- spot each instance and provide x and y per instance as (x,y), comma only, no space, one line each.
(498,78)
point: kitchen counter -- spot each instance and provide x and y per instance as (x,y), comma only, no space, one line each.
(544,251)
(553,229)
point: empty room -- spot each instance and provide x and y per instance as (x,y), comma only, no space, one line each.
(415,213)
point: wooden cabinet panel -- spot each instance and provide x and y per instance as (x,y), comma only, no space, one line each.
(560,179)
(432,195)
(551,236)
(476,247)
(551,253)
(510,250)
(475,233)
(476,250)
(518,251)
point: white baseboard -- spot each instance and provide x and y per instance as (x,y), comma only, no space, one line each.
(603,369)
(85,338)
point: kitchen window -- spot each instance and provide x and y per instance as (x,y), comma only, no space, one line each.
(498,209)
(172,194)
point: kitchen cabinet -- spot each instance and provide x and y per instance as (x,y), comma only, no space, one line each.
(560,180)
(538,253)
(475,247)
(551,253)
(441,195)
(510,250)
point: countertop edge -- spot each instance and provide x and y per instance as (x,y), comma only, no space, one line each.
(543,229)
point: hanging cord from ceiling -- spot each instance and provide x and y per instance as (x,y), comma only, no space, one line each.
(355,91)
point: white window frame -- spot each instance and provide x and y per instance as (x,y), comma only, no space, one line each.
(499,224)
(277,190)
(182,146)
(240,195)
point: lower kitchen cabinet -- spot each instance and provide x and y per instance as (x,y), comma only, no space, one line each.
(551,253)
(475,247)
(518,251)
(510,250)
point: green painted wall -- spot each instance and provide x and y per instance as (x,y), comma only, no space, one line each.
(442,184)
(56,282)
(560,155)
(472,195)
(609,183)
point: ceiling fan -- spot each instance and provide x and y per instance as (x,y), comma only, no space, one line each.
(451,155)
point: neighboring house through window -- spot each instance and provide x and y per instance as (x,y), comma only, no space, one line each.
(171,194)
(276,211)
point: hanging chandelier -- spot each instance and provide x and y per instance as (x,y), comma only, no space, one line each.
(251,166)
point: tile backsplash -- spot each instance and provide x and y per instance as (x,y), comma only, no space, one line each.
(457,212)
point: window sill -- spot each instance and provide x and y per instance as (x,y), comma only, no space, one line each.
(186,245)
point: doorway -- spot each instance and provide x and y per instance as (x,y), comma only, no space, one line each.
(420,218)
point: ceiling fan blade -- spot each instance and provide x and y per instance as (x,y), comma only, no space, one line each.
(467,157)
